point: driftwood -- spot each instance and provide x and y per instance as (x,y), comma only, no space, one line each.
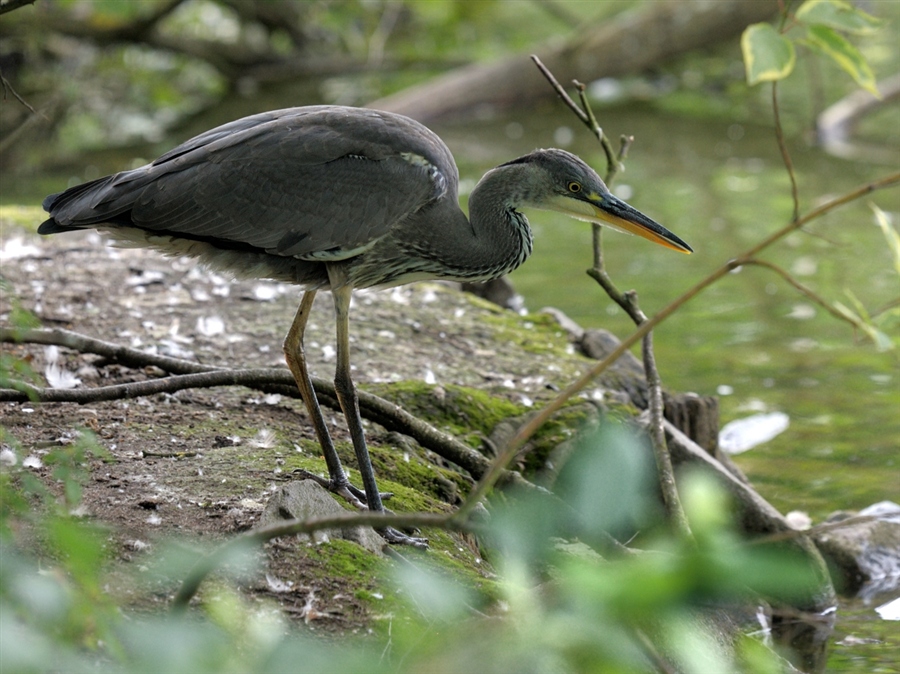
(633,41)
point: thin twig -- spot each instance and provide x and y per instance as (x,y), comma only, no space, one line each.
(117,353)
(823,528)
(560,91)
(612,163)
(662,666)
(269,380)
(821,301)
(10,5)
(9,87)
(785,155)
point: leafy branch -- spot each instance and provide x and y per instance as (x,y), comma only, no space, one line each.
(770,55)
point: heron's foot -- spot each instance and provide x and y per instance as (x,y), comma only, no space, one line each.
(361,495)
(354,496)
(395,537)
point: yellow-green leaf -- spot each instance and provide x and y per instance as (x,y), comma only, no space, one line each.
(838,14)
(768,55)
(843,53)
(881,341)
(893,238)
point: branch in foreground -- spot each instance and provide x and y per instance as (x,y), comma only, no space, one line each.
(269,380)
(802,289)
(210,562)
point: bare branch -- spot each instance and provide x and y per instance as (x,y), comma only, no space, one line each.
(10,5)
(257,537)
(818,299)
(115,352)
(628,302)
(270,380)
(573,106)
(8,87)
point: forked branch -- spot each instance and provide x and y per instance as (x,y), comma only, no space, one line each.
(629,303)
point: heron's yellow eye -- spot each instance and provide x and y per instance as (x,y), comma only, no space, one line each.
(574,187)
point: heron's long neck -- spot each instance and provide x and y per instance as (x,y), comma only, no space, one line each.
(502,235)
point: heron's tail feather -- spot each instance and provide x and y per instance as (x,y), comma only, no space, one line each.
(106,201)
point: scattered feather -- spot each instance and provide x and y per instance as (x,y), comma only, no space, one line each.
(264,439)
(210,325)
(265,292)
(145,277)
(278,585)
(251,504)
(168,347)
(200,295)
(58,377)
(16,248)
(32,461)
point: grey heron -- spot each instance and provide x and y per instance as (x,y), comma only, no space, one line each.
(338,198)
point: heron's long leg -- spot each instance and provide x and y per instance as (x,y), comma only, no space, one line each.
(346,393)
(296,361)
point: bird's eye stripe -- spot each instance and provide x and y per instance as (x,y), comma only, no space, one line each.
(574,187)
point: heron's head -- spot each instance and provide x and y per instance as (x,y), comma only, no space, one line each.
(560,181)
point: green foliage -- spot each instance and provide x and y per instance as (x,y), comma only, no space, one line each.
(876,328)
(600,615)
(769,55)
(838,15)
(841,51)
(13,369)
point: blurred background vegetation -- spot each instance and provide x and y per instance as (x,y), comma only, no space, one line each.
(135,76)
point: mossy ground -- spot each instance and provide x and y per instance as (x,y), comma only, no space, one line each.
(199,466)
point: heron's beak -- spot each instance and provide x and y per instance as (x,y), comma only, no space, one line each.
(613,211)
(609,210)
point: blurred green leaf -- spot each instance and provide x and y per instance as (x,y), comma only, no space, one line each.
(839,15)
(608,481)
(890,234)
(768,55)
(862,321)
(848,57)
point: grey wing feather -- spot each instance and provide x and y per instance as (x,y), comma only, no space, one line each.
(319,183)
